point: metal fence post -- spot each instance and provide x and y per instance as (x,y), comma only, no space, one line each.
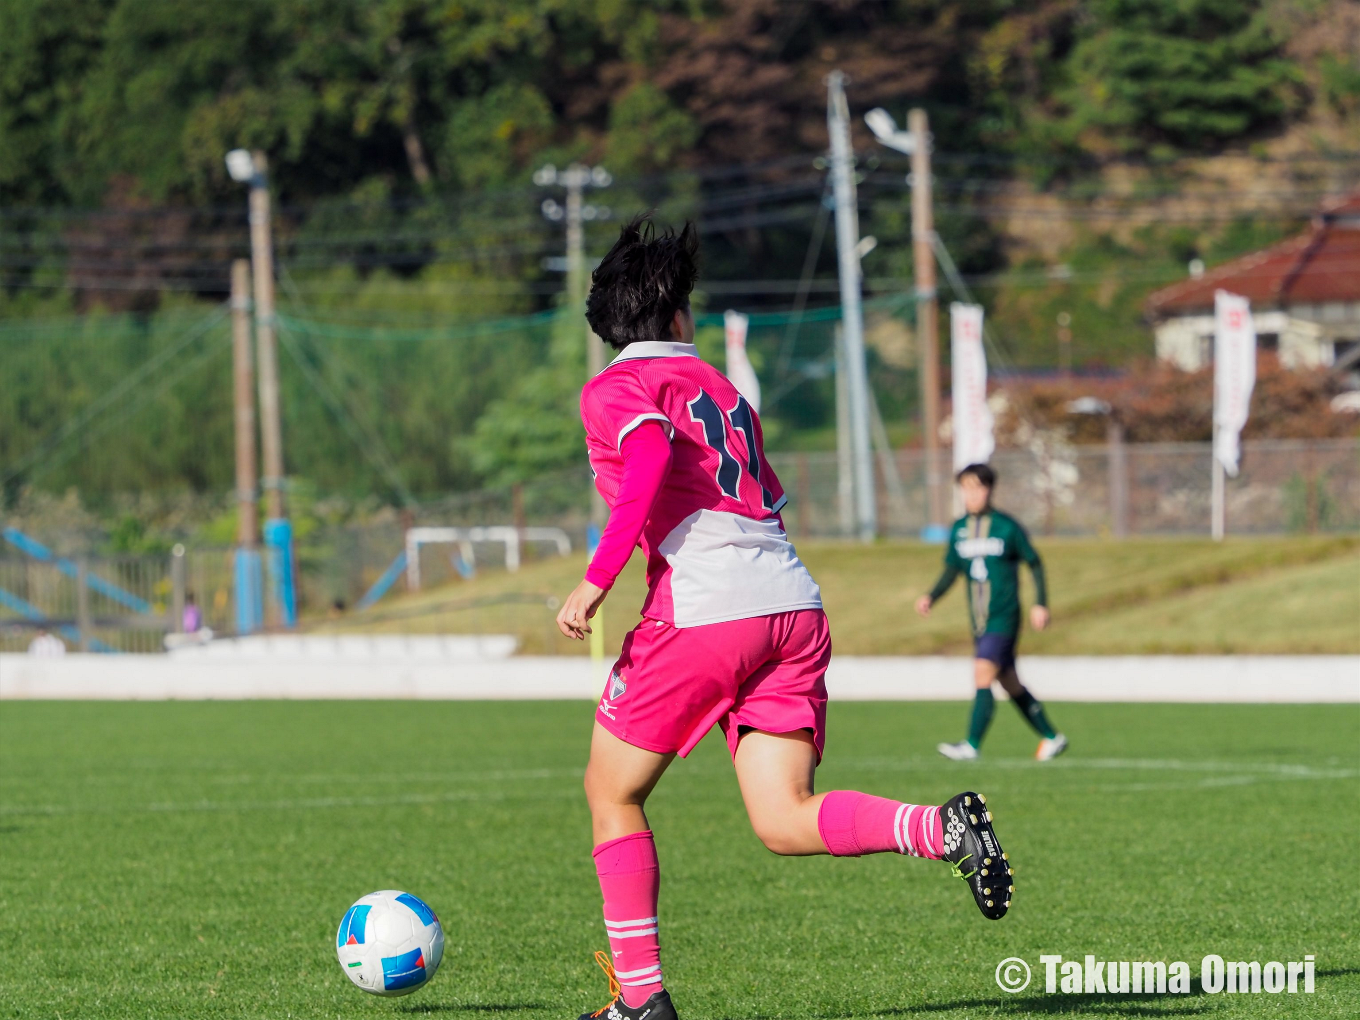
(177,588)
(83,603)
(1119,478)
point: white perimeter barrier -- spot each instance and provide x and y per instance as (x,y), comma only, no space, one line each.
(383,671)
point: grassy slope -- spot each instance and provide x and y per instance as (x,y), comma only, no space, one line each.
(192,860)
(1262,595)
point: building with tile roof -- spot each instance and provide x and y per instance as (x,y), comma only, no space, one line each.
(1304,293)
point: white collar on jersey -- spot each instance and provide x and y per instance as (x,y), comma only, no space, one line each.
(656,349)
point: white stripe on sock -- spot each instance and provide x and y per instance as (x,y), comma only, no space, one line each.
(906,832)
(630,934)
(653,969)
(629,924)
(897,828)
(653,980)
(928,826)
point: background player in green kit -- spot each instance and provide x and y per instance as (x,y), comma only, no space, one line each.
(988,546)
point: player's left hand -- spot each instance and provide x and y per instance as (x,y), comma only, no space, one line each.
(574,616)
(1038,617)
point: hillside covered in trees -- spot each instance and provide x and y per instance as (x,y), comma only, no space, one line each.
(1085,151)
(103,101)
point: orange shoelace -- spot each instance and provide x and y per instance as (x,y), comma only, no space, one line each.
(615,989)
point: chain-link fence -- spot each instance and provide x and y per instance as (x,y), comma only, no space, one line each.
(129,603)
(1134,489)
(104,604)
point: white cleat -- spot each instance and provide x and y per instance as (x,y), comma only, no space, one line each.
(1051,748)
(962,751)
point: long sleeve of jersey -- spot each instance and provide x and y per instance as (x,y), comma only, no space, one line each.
(953,566)
(1036,567)
(945,582)
(646,462)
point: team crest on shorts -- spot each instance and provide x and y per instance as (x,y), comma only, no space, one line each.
(616,690)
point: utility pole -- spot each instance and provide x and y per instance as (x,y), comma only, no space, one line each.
(915,143)
(845,456)
(253,168)
(852,313)
(249,604)
(927,313)
(575,179)
(262,259)
(243,373)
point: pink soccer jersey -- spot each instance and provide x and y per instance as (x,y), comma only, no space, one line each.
(716,549)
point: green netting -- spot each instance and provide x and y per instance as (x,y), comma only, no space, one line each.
(399,408)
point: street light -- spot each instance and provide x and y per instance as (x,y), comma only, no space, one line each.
(885,129)
(241,165)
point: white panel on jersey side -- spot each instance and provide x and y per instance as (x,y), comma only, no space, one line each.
(728,567)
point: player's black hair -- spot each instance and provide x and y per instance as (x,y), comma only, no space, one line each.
(984,473)
(644,280)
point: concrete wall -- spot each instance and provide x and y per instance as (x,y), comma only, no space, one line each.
(1250,678)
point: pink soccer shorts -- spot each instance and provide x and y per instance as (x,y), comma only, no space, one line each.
(670,685)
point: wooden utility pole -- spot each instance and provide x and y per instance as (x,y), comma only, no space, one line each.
(262,258)
(927,315)
(247,527)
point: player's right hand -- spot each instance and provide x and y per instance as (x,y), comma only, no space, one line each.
(573,619)
(923,605)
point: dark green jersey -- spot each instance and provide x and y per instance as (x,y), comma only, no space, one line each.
(988,548)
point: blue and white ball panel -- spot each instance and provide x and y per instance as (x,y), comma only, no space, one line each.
(352,926)
(421,910)
(390,943)
(402,972)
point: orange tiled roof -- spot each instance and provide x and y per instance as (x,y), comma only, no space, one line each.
(1322,265)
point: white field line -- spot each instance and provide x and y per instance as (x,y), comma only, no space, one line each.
(1223,774)
(1283,769)
(503,775)
(300,804)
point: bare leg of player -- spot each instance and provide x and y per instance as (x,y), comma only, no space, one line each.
(619,779)
(775,772)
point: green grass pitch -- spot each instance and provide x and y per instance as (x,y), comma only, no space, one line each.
(193,860)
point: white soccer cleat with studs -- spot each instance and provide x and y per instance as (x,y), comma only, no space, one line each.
(962,751)
(1051,747)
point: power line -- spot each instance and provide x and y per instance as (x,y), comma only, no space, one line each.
(82,420)
(142,399)
(368,443)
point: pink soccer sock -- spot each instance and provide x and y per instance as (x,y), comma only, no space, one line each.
(630,879)
(854,823)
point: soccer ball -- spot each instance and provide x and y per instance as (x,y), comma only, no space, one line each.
(389,943)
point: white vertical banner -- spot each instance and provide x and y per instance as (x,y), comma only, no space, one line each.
(739,369)
(972,419)
(1234,375)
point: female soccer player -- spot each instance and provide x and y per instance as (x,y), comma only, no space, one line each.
(989,546)
(732,629)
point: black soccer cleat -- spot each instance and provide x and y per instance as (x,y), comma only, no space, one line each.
(975,854)
(657,1007)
